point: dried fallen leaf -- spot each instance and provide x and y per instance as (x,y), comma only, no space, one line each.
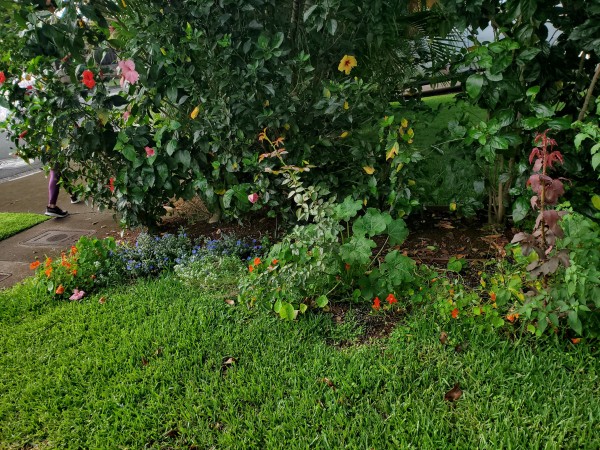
(158,351)
(453,394)
(229,361)
(102,300)
(445,224)
(444,338)
(230,302)
(144,361)
(329,383)
(461,347)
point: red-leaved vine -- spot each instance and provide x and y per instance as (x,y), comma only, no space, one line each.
(547,191)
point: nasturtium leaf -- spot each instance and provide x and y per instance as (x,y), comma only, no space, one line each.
(322,301)
(277,305)
(347,209)
(371,224)
(397,231)
(303,308)
(357,250)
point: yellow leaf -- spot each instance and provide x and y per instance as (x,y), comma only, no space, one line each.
(400,166)
(404,123)
(326,93)
(346,106)
(286,126)
(344,135)
(123,3)
(369,170)
(365,202)
(163,51)
(266,103)
(453,206)
(393,151)
(220,192)
(482,281)
(195,112)
(411,182)
(410,133)
(596,201)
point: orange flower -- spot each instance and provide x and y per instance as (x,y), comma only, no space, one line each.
(376,304)
(257,261)
(347,63)
(48,262)
(250,268)
(493,296)
(347,267)
(391,299)
(275,261)
(575,340)
(73,249)
(74,272)
(48,272)
(34,265)
(455,313)
(277,142)
(60,290)
(512,317)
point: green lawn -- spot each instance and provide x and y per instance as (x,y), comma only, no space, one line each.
(13,223)
(145,370)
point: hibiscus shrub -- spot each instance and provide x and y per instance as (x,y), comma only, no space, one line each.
(197,80)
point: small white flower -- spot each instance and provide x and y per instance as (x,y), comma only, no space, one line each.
(27,81)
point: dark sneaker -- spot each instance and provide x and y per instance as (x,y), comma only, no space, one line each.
(74,199)
(56,212)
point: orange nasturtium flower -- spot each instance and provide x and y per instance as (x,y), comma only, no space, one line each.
(48,262)
(34,265)
(257,261)
(48,272)
(250,268)
(60,290)
(455,313)
(347,63)
(575,340)
(493,296)
(391,299)
(274,262)
(376,304)
(512,317)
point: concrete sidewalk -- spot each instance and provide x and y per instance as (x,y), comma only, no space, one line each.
(30,194)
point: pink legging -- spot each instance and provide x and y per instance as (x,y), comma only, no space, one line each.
(53,188)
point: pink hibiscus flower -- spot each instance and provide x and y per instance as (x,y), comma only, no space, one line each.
(128,72)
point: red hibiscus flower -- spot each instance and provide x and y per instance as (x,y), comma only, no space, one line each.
(2,78)
(149,151)
(88,79)
(111,184)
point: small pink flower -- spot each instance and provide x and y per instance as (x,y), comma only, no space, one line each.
(77,294)
(126,115)
(149,151)
(253,198)
(128,72)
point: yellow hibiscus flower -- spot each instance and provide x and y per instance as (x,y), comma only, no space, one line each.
(347,63)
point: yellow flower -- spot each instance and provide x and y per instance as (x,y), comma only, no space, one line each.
(344,135)
(195,112)
(346,106)
(347,63)
(404,123)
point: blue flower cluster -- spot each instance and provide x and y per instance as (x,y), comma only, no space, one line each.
(151,255)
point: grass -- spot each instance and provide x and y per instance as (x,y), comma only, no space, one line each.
(13,223)
(145,370)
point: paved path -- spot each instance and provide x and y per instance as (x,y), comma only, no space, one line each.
(30,194)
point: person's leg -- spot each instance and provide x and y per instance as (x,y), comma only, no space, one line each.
(53,188)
